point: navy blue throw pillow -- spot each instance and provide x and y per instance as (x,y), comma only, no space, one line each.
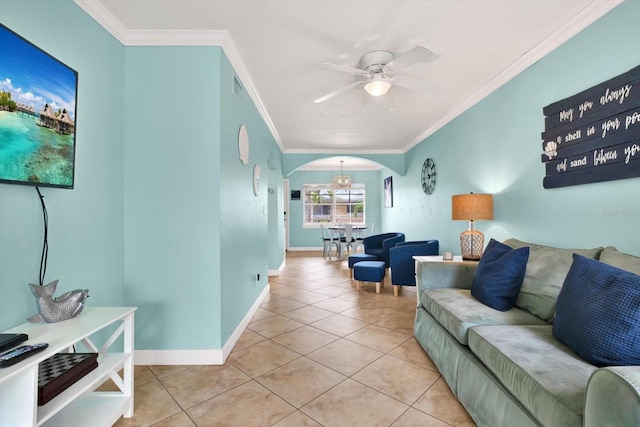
(499,275)
(598,313)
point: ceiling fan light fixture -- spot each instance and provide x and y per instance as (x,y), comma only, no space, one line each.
(377,85)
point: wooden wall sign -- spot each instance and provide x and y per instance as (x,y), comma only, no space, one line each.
(594,136)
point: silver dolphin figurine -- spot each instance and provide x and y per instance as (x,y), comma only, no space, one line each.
(51,310)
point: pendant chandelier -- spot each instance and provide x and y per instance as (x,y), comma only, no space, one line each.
(341,181)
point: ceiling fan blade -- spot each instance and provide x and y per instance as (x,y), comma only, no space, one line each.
(337,92)
(413,84)
(415,55)
(345,69)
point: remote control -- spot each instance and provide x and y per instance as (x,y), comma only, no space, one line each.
(14,356)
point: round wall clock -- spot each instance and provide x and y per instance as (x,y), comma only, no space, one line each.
(256,179)
(243,144)
(428,178)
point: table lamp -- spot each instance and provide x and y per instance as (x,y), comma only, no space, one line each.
(472,207)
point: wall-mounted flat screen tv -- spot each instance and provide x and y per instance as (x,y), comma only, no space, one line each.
(38,97)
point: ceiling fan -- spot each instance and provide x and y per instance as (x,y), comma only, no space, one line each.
(379,69)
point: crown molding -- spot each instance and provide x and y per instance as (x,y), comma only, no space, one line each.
(220,38)
(106,19)
(332,168)
(588,16)
(340,152)
(233,54)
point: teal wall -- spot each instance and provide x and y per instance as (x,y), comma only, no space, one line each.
(172,175)
(196,237)
(85,224)
(495,147)
(244,227)
(163,216)
(311,237)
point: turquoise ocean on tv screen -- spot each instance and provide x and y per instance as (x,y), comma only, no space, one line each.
(32,153)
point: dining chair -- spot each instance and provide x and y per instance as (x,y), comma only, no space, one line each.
(360,238)
(327,239)
(346,241)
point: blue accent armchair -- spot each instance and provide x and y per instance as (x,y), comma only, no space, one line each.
(403,266)
(380,244)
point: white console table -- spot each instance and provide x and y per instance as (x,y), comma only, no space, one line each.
(79,405)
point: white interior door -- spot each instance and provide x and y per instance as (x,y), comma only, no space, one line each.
(285,200)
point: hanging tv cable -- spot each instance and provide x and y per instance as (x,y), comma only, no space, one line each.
(45,243)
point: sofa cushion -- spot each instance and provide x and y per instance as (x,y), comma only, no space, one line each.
(612,256)
(546,377)
(457,311)
(597,313)
(546,269)
(499,275)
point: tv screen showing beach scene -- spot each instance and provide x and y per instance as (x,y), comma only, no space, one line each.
(38,97)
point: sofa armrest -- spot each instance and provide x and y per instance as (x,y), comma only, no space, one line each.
(444,274)
(613,397)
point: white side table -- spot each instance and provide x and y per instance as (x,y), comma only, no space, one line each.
(79,405)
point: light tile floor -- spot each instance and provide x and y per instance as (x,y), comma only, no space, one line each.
(317,353)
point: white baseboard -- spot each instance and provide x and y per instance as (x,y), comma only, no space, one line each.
(235,336)
(179,357)
(279,270)
(302,249)
(200,357)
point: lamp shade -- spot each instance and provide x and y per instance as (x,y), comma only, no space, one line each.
(472,207)
(377,85)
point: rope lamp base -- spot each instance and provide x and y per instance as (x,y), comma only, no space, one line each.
(471,243)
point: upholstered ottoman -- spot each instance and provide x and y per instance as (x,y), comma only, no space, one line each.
(369,271)
(355,258)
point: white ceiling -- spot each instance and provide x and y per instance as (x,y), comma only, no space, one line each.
(280,44)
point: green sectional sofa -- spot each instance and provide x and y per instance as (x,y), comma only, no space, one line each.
(507,368)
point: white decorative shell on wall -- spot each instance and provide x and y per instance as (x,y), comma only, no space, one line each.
(551,149)
(256,179)
(243,145)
